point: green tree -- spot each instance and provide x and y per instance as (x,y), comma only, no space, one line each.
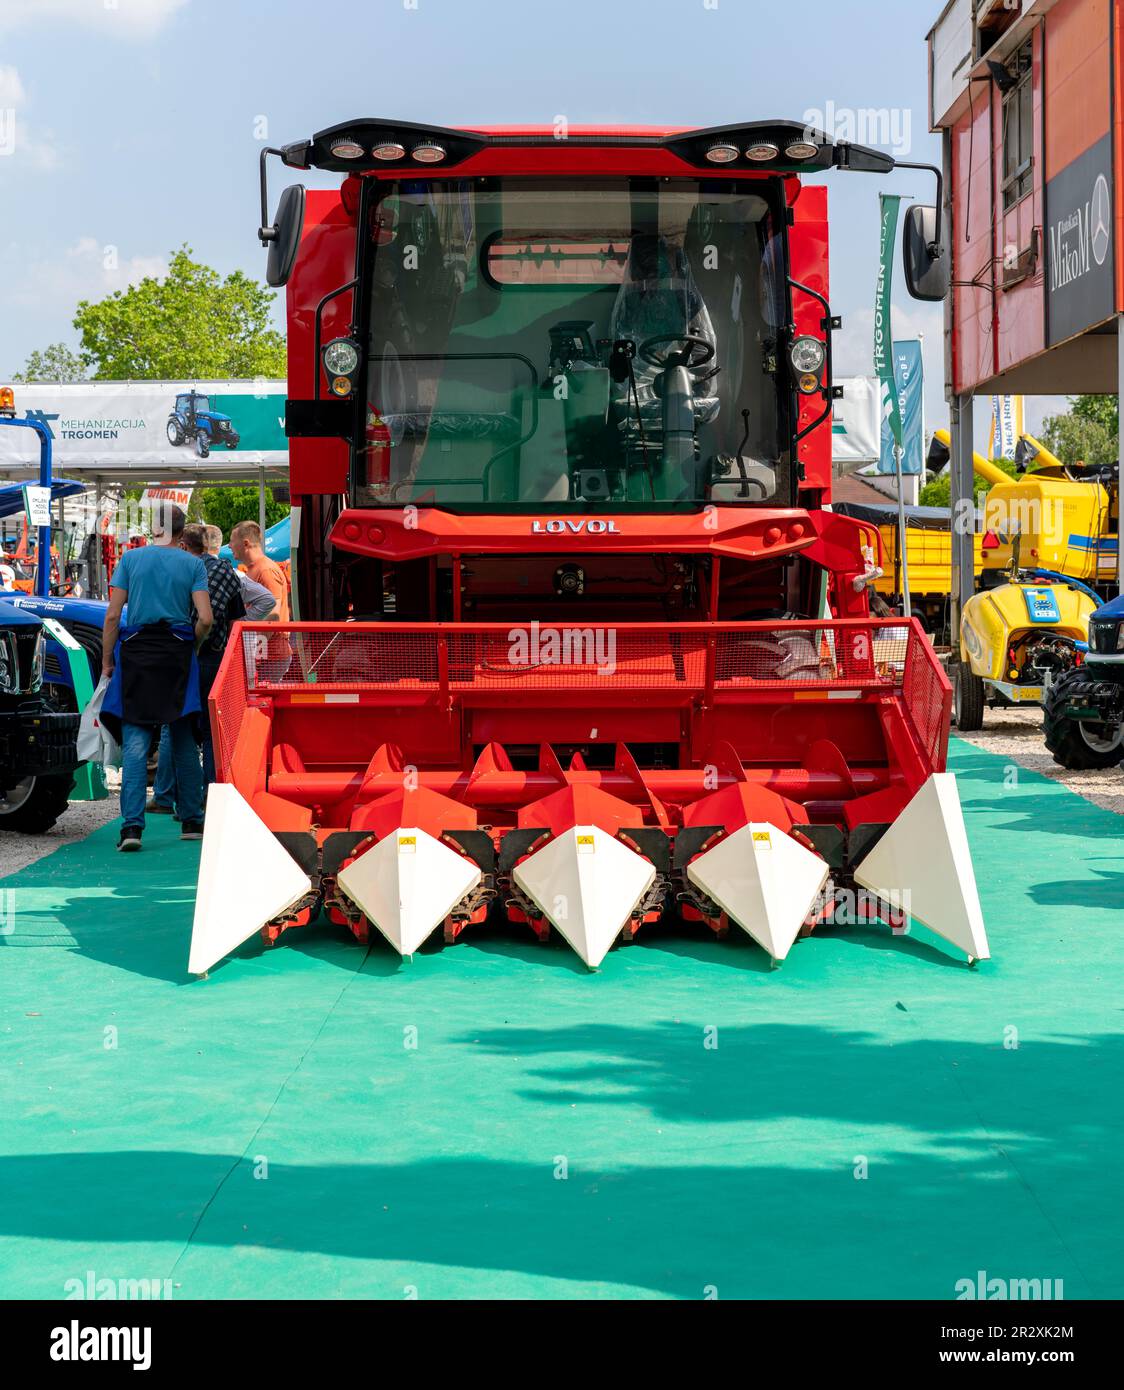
(1086,433)
(1102,409)
(191,325)
(226,506)
(56,362)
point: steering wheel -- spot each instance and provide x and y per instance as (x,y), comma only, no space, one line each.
(690,342)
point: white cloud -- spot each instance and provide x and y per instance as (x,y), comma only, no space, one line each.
(854,345)
(129,18)
(21,141)
(854,356)
(88,269)
(11,88)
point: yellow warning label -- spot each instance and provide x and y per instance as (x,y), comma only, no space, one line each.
(762,837)
(407,844)
(586,844)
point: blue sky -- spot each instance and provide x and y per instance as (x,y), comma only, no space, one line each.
(137,122)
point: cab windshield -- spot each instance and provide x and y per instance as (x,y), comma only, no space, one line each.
(611,343)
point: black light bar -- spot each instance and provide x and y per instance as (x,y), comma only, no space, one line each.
(380,144)
(368,143)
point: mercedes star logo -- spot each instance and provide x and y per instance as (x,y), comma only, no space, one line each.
(1101,219)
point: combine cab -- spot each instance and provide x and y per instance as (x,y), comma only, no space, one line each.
(580,645)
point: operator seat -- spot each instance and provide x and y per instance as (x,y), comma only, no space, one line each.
(659,297)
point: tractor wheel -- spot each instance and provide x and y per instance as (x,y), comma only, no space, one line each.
(33,805)
(1077,744)
(967,698)
(202,445)
(175,431)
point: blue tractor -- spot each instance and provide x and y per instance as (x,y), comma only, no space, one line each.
(192,421)
(82,618)
(38,740)
(1084,717)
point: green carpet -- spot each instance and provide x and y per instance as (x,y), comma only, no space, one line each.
(270,1132)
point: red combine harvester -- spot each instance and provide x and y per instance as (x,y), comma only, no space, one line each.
(580,644)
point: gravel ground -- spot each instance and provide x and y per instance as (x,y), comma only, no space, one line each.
(1017,734)
(81,818)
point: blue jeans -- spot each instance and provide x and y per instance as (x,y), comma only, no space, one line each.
(164,785)
(184,757)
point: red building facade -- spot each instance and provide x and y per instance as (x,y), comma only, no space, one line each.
(1029,98)
(1026,94)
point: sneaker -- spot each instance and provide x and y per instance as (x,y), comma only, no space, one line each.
(160,808)
(192,830)
(130,838)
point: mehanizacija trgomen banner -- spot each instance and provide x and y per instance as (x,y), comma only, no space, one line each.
(120,424)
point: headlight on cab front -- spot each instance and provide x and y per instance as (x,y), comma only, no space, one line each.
(807,357)
(38,661)
(1106,637)
(9,665)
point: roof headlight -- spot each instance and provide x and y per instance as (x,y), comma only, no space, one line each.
(801,150)
(347,147)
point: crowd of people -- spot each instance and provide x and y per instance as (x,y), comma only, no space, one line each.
(162,653)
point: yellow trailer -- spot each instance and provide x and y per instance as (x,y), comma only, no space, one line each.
(928,550)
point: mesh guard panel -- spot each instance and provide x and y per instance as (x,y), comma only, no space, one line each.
(384,662)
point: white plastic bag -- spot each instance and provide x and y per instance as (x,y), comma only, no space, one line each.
(95,743)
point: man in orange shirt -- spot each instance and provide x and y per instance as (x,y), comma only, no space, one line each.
(246,542)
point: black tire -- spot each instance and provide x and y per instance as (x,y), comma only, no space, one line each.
(202,445)
(175,431)
(43,805)
(967,698)
(1072,744)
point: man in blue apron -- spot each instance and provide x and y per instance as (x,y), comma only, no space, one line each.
(153,670)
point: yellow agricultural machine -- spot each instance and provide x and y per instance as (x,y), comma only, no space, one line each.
(1044,540)
(1016,639)
(1066,516)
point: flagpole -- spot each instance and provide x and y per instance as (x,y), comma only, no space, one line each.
(885,366)
(921,460)
(903,548)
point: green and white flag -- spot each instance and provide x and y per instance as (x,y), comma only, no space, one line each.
(884,365)
(883,335)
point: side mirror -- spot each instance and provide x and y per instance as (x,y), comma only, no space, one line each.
(862,159)
(284,237)
(927,272)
